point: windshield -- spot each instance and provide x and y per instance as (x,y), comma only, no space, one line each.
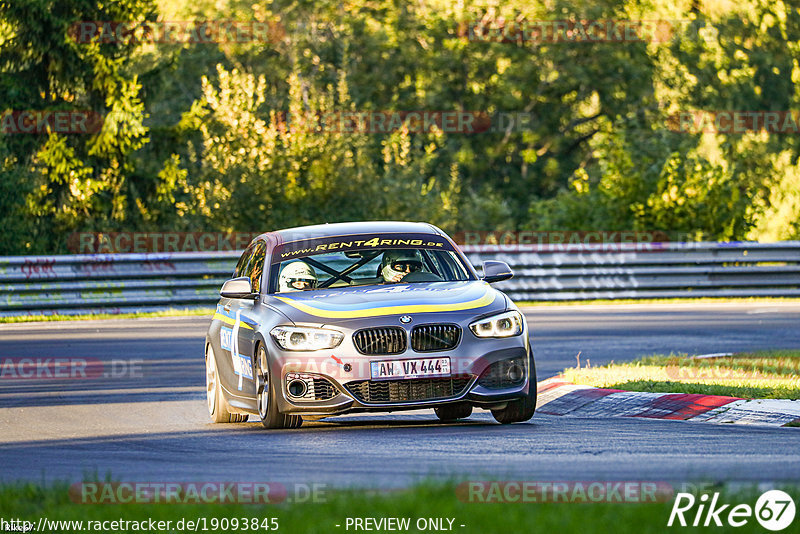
(359,260)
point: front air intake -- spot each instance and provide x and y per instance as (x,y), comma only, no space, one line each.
(504,374)
(386,340)
(420,389)
(435,337)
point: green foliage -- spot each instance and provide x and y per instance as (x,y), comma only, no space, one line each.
(291,168)
(71,181)
(228,135)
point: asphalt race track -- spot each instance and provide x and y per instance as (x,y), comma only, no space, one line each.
(143,418)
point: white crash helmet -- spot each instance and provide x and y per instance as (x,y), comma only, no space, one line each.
(297,271)
(392,257)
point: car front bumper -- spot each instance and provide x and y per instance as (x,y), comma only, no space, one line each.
(348,372)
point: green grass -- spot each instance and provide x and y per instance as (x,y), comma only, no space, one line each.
(743,392)
(172,312)
(769,362)
(30,502)
(759,375)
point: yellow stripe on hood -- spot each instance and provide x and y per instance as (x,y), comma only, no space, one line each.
(485,300)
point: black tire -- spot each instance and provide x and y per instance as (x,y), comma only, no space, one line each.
(216,404)
(520,410)
(453,412)
(266,394)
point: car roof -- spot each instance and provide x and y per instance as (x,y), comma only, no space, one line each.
(350,228)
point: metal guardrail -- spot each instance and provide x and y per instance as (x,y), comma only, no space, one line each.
(114,283)
(650,270)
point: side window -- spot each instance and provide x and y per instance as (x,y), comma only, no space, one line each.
(441,266)
(256,267)
(451,265)
(241,267)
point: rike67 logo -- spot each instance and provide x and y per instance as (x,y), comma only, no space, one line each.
(774,510)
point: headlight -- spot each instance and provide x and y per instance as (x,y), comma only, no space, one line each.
(506,324)
(302,338)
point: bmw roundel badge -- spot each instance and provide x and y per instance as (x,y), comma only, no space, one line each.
(405,319)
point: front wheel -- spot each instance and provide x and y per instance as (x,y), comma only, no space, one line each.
(266,393)
(522,409)
(216,404)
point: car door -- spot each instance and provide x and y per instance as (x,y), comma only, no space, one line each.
(233,363)
(246,319)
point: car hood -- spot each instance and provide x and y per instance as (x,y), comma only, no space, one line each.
(343,304)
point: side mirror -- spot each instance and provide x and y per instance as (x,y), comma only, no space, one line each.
(496,271)
(238,288)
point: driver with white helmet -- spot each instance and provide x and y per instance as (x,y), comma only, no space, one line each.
(396,264)
(297,276)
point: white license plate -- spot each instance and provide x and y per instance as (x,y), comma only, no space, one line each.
(416,368)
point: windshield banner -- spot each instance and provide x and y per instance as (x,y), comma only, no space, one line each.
(310,247)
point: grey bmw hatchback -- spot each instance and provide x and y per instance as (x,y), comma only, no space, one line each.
(340,318)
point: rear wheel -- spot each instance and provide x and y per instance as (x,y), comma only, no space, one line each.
(216,404)
(452,412)
(522,409)
(266,393)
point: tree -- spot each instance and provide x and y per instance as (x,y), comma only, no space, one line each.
(66,181)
